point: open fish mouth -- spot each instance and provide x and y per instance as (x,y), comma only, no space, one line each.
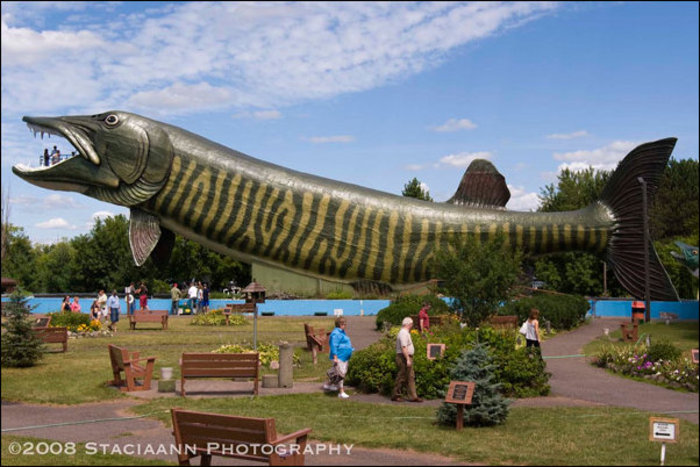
(77,173)
(76,134)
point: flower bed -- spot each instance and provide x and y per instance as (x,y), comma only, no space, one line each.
(635,361)
(268,352)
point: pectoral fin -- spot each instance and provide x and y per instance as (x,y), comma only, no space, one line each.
(144,233)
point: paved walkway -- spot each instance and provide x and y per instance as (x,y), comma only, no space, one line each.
(574,383)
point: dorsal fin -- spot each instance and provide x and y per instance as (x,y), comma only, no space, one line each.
(482,186)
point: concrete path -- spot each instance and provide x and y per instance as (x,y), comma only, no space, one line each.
(575,378)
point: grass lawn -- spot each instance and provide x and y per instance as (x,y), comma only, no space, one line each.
(78,375)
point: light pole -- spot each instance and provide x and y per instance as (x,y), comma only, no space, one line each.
(645,217)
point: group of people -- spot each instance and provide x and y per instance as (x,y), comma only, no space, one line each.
(197,297)
(105,308)
(341,350)
(53,157)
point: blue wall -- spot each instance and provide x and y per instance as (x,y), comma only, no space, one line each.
(623,308)
(599,307)
(279,307)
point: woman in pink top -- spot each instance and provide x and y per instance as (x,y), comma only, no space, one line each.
(75,306)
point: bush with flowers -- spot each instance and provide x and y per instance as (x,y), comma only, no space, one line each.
(638,361)
(217,318)
(268,352)
(520,374)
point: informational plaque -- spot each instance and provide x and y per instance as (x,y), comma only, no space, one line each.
(663,429)
(435,351)
(695,354)
(460,392)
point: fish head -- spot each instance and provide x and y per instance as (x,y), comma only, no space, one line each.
(123,158)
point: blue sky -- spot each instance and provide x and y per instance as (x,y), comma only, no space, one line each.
(367,93)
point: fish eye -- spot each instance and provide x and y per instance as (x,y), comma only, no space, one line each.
(111,120)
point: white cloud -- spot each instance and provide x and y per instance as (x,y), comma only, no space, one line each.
(575,134)
(463,159)
(198,56)
(56,223)
(605,158)
(101,215)
(454,124)
(521,200)
(260,115)
(330,139)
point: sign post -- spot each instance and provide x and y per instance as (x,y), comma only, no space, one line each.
(460,393)
(664,430)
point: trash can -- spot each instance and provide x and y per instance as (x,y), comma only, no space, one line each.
(638,309)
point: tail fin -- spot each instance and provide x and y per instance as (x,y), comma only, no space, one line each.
(623,195)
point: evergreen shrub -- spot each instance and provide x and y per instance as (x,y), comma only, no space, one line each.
(488,407)
(663,350)
(562,311)
(19,347)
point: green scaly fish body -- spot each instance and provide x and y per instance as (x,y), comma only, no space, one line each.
(174,180)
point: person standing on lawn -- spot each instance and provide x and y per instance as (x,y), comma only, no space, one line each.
(175,299)
(115,308)
(404,360)
(340,352)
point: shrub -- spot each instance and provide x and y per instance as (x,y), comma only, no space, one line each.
(562,311)
(663,350)
(268,352)
(410,305)
(217,318)
(70,320)
(488,407)
(374,369)
(20,347)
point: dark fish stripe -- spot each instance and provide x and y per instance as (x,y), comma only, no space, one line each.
(283,252)
(383,240)
(210,194)
(262,212)
(235,210)
(396,249)
(226,192)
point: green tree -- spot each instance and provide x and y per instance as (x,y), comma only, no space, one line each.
(478,276)
(413,189)
(20,258)
(20,346)
(55,268)
(674,212)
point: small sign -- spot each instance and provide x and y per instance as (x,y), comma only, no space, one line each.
(460,392)
(663,429)
(435,351)
(695,354)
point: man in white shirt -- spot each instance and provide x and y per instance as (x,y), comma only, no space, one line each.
(404,360)
(192,296)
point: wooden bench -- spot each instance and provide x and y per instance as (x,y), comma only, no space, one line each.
(219,365)
(504,322)
(57,335)
(630,331)
(238,308)
(315,340)
(149,316)
(668,316)
(207,434)
(42,321)
(132,369)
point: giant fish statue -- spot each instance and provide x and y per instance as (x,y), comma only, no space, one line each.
(175,181)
